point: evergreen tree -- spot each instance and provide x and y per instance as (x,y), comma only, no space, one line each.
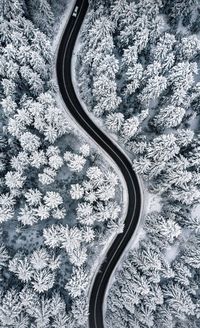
(41,15)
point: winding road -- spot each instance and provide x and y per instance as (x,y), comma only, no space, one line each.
(63,69)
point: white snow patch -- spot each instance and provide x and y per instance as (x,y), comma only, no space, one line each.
(186,234)
(171,253)
(195,213)
(141,235)
(154,202)
(194,123)
(181,29)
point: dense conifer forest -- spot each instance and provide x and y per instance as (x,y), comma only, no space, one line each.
(138,73)
(60,200)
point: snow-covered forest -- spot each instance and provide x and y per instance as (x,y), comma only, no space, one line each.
(60,199)
(138,72)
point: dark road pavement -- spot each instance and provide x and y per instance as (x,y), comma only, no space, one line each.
(63,68)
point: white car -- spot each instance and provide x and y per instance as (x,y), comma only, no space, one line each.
(75,11)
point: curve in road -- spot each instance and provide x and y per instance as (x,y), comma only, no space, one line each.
(63,69)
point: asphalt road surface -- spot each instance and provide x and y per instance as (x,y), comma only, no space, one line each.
(63,67)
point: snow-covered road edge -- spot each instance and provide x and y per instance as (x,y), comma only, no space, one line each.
(60,27)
